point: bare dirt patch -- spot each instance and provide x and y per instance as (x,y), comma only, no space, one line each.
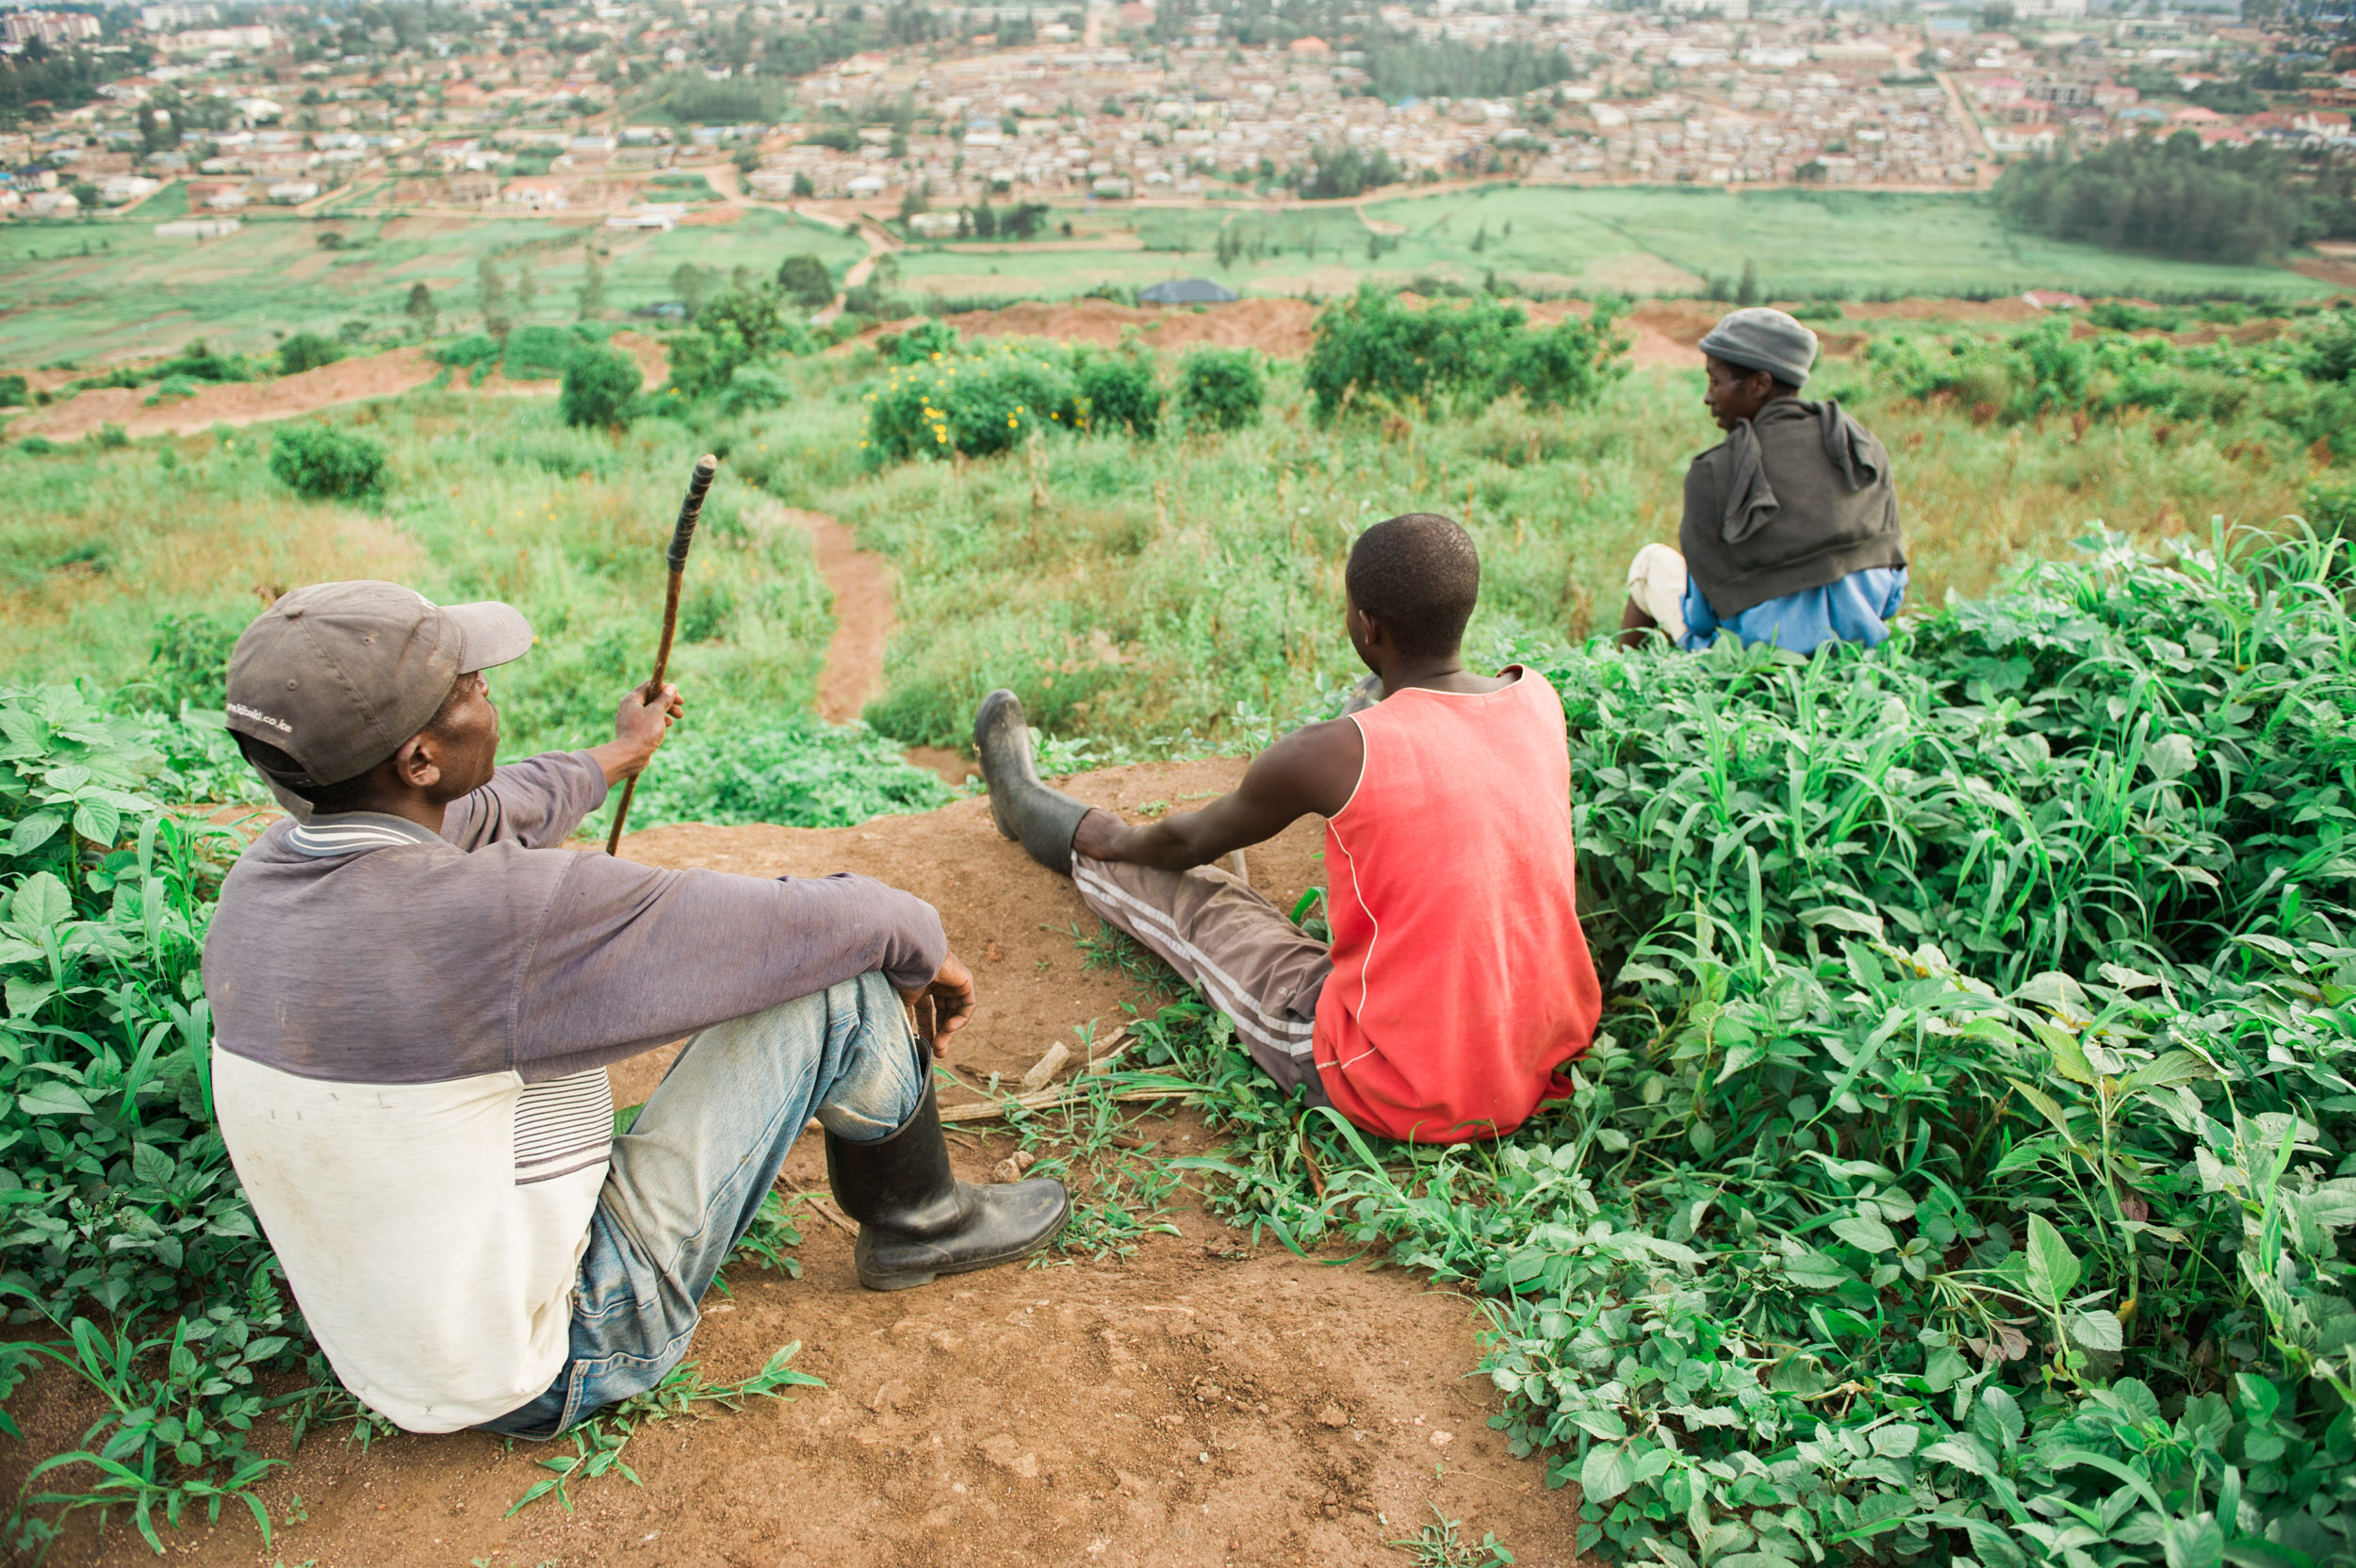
(653,356)
(863,616)
(1278,327)
(1199,1404)
(233,402)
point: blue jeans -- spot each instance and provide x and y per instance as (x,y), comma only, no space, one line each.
(691,1173)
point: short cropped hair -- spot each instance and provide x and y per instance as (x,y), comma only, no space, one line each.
(1419,575)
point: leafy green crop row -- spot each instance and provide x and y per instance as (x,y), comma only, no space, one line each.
(2298,381)
(1965,1170)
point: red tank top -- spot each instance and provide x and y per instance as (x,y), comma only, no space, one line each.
(1461,978)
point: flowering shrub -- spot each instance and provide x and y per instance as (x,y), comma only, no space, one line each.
(979,403)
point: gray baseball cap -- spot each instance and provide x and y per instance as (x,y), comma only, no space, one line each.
(337,674)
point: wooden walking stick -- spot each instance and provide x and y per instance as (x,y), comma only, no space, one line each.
(682,536)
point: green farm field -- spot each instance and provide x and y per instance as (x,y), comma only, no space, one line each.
(100,291)
(1628,239)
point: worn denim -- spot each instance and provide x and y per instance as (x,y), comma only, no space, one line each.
(691,1173)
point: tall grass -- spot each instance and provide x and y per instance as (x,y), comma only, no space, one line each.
(1146,590)
(485,497)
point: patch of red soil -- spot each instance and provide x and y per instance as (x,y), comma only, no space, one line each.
(1275,326)
(863,616)
(1199,1405)
(652,354)
(233,402)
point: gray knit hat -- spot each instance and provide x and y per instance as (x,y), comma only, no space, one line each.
(1759,338)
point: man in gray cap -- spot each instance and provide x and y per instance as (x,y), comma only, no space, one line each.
(1790,527)
(416,995)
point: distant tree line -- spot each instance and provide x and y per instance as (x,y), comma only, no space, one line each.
(1346,171)
(1404,66)
(2177,197)
(67,78)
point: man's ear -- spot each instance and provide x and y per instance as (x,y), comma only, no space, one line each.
(415,765)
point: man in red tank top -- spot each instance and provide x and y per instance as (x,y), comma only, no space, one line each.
(1458,982)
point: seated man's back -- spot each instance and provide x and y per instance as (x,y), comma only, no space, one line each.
(1461,977)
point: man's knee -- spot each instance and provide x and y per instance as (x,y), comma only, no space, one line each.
(881,1073)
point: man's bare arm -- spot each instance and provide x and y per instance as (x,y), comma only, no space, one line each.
(1312,770)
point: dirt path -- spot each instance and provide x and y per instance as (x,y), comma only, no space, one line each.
(1199,1405)
(863,616)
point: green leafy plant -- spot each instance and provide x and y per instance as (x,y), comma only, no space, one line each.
(1220,388)
(1372,350)
(795,772)
(598,1441)
(307,351)
(977,404)
(599,384)
(1118,392)
(324,462)
(1964,1168)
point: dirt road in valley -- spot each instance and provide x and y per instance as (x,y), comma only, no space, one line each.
(1202,1403)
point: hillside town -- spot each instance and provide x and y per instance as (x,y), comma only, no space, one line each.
(930,110)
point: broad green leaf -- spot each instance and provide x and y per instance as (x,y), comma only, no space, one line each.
(40,900)
(97,821)
(53,1098)
(33,831)
(150,1164)
(2053,1266)
(1606,1474)
(24,996)
(2170,757)
(1896,1442)
(1864,1228)
(1843,919)
(2195,1543)
(2096,1330)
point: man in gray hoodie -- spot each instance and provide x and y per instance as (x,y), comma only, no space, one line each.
(416,995)
(1789,533)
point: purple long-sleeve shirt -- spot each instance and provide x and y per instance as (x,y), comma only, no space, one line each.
(362,947)
(410,1038)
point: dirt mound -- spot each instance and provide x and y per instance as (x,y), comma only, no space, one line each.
(1199,1404)
(232,402)
(1275,326)
(652,354)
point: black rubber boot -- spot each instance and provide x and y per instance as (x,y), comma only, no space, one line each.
(1023,808)
(917,1221)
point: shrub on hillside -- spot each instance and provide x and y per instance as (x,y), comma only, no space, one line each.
(978,404)
(324,462)
(754,388)
(539,352)
(737,327)
(918,344)
(15,392)
(599,386)
(477,352)
(1220,389)
(804,279)
(1461,355)
(1118,392)
(307,351)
